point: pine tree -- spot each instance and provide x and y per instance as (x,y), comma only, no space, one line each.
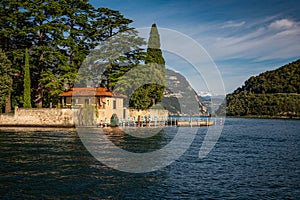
(27,82)
(5,79)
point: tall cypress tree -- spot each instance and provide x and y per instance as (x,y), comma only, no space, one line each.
(151,92)
(27,82)
(154,53)
(154,57)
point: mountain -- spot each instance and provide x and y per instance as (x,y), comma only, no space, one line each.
(180,99)
(273,93)
(212,102)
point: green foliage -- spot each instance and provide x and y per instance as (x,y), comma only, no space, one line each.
(152,91)
(154,55)
(134,85)
(282,80)
(123,72)
(27,82)
(273,93)
(139,100)
(5,79)
(58,35)
(116,56)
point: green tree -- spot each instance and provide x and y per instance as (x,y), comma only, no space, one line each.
(44,31)
(149,91)
(120,45)
(154,53)
(27,82)
(12,42)
(154,56)
(59,35)
(5,79)
(272,93)
(77,22)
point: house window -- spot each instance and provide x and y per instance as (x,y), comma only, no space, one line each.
(107,102)
(114,104)
(87,101)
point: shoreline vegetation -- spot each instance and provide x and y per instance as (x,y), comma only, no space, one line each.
(39,60)
(272,94)
(265,117)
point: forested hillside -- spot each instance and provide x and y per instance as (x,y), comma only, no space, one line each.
(273,93)
(44,44)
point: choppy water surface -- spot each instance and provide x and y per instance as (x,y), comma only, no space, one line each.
(253,159)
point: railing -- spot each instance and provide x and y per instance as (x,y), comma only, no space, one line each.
(154,121)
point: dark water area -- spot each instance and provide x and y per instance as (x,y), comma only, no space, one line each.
(253,159)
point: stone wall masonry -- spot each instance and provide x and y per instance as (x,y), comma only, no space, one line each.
(160,114)
(65,117)
(47,117)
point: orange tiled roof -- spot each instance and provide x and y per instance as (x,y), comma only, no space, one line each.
(87,92)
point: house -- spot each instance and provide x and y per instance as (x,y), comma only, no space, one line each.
(106,102)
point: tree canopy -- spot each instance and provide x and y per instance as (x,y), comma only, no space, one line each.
(127,69)
(5,79)
(58,35)
(154,90)
(272,93)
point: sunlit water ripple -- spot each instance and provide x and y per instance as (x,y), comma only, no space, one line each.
(253,159)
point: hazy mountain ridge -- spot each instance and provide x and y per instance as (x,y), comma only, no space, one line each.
(180,98)
(211,102)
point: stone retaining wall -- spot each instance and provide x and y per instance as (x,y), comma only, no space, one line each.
(38,117)
(65,117)
(160,114)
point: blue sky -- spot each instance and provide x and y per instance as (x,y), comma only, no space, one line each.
(243,38)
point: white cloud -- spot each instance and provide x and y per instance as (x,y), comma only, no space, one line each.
(233,24)
(274,39)
(246,44)
(249,46)
(282,24)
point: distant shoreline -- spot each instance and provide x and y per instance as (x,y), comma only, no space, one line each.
(264,117)
(18,127)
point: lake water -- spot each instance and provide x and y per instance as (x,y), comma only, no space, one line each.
(253,159)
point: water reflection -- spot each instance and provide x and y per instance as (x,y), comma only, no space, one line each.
(56,164)
(260,160)
(137,155)
(125,138)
